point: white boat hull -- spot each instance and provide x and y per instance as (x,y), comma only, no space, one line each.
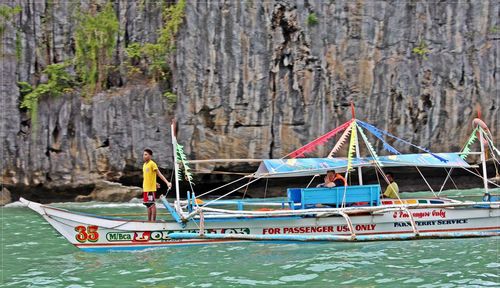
(95,233)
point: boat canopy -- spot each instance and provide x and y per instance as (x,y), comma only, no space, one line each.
(296,167)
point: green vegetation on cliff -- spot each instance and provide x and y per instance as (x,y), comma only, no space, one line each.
(421,50)
(6,15)
(312,19)
(95,40)
(155,54)
(95,37)
(59,82)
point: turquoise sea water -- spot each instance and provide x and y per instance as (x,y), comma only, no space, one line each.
(35,255)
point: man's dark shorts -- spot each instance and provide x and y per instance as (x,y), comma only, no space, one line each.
(148,198)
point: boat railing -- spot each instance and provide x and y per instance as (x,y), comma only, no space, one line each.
(322,212)
(192,202)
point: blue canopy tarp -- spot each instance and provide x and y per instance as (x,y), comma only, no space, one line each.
(297,167)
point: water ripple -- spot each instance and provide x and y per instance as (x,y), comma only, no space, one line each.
(39,257)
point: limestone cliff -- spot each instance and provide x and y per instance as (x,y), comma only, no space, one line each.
(260,79)
(254,79)
(78,139)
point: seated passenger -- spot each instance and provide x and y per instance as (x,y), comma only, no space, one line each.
(333,179)
(392,190)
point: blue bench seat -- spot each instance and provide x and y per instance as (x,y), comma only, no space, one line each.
(364,195)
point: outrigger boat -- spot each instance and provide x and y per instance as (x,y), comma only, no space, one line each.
(348,213)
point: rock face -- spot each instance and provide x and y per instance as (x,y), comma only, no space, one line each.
(254,79)
(106,191)
(263,77)
(5,197)
(78,140)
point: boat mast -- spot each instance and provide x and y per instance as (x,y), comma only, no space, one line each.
(483,161)
(176,165)
(360,174)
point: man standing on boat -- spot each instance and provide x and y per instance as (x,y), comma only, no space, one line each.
(392,190)
(150,171)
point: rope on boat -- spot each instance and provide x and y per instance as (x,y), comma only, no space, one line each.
(227,184)
(425,180)
(412,221)
(378,167)
(448,176)
(349,223)
(246,188)
(265,189)
(310,182)
(480,176)
(452,181)
(232,191)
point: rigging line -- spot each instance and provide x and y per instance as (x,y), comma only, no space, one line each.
(377,164)
(196,224)
(237,180)
(451,170)
(445,180)
(265,190)
(487,134)
(378,167)
(347,124)
(282,158)
(490,144)
(340,128)
(425,180)
(232,191)
(376,174)
(312,179)
(191,185)
(246,189)
(385,179)
(478,175)
(206,171)
(453,181)
(217,188)
(492,147)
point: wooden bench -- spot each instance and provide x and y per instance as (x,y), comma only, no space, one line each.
(303,198)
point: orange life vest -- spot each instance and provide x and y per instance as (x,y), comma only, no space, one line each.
(338,176)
